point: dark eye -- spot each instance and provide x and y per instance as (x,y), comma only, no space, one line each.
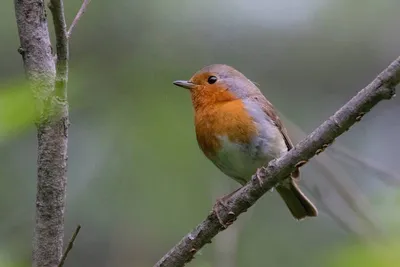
(212,79)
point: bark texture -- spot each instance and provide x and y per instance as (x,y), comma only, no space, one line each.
(52,130)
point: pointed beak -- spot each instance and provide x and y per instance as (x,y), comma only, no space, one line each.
(184,84)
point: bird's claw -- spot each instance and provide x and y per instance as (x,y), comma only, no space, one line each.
(260,181)
(216,210)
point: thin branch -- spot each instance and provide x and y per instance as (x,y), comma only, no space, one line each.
(277,170)
(386,176)
(345,190)
(70,246)
(82,10)
(346,226)
(350,194)
(60,27)
(339,221)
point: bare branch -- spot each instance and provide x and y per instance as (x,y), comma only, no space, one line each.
(70,246)
(82,10)
(60,28)
(227,245)
(277,170)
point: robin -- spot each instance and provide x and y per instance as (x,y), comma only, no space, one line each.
(239,130)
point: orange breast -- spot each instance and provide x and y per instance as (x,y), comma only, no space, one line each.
(215,119)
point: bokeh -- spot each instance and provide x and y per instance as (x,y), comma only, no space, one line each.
(137,181)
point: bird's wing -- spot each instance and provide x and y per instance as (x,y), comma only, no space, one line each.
(271,112)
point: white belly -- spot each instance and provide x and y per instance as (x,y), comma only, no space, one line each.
(240,161)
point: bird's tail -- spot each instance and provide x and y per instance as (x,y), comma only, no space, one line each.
(299,205)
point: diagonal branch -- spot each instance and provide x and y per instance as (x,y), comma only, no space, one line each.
(69,247)
(78,16)
(387,176)
(277,170)
(316,194)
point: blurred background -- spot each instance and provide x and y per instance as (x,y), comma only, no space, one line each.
(137,180)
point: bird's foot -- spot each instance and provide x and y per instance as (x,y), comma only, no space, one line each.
(216,209)
(221,202)
(260,181)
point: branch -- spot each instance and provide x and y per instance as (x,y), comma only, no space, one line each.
(69,247)
(62,49)
(82,10)
(48,84)
(51,126)
(277,170)
(227,245)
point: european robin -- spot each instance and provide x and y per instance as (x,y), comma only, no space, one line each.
(239,130)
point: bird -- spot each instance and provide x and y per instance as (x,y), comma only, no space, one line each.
(239,130)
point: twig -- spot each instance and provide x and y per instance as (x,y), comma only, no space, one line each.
(321,203)
(351,200)
(82,10)
(69,247)
(316,193)
(277,170)
(387,176)
(350,194)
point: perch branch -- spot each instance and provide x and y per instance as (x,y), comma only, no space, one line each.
(70,246)
(78,16)
(277,170)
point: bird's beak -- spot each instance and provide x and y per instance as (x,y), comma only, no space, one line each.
(184,84)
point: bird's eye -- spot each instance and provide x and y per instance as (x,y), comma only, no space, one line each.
(212,79)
